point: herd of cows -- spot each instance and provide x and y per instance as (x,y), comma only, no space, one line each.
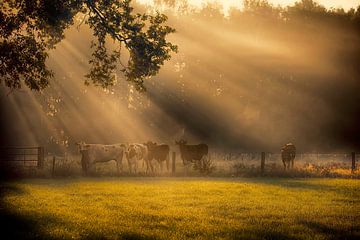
(149,154)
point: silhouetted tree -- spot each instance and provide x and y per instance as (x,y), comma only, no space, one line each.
(28,29)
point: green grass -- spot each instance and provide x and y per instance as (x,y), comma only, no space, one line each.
(174,208)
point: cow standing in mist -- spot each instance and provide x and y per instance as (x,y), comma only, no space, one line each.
(160,153)
(136,153)
(288,153)
(95,153)
(192,153)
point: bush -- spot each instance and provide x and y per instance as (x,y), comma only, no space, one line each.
(206,166)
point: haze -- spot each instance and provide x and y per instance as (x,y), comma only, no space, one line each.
(254,80)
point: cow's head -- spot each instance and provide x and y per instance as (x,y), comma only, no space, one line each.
(81,145)
(181,142)
(130,151)
(124,146)
(150,145)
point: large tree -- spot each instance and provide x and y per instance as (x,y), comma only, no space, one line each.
(29,29)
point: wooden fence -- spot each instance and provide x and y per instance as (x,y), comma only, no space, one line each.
(22,156)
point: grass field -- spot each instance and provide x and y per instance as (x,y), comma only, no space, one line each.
(175,208)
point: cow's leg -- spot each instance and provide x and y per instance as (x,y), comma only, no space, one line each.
(161,166)
(292,163)
(284,164)
(147,166)
(186,167)
(131,167)
(120,166)
(83,166)
(92,168)
(117,167)
(151,166)
(86,167)
(202,163)
(135,166)
(168,162)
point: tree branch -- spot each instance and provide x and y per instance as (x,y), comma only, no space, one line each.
(92,7)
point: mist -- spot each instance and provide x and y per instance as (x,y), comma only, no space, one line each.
(254,80)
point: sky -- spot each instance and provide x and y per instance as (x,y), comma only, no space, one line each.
(346,4)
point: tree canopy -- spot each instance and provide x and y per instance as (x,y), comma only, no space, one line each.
(29,29)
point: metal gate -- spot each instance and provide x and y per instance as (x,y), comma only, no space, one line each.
(22,156)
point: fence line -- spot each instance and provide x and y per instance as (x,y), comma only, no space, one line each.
(224,161)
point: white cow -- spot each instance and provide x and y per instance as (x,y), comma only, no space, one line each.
(93,153)
(136,153)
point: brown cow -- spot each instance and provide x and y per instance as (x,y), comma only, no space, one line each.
(288,153)
(192,153)
(159,152)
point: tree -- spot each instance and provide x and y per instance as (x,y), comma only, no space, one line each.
(28,29)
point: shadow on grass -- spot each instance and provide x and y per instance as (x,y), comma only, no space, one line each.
(331,232)
(15,226)
(11,225)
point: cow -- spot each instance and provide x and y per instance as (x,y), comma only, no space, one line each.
(136,152)
(159,152)
(192,153)
(95,153)
(288,153)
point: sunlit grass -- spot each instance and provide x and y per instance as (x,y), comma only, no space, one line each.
(141,208)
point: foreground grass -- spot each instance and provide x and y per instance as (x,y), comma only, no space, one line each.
(150,208)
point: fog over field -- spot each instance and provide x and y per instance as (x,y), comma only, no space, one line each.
(253,80)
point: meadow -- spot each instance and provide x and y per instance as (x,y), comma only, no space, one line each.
(181,208)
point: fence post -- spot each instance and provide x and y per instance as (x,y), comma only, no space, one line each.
(173,162)
(353,157)
(24,157)
(262,162)
(40,162)
(53,167)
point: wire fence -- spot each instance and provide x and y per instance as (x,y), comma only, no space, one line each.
(222,163)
